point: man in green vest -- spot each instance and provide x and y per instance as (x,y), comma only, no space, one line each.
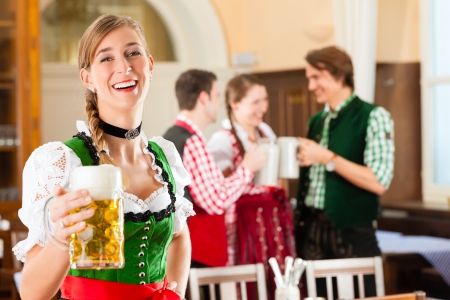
(346,164)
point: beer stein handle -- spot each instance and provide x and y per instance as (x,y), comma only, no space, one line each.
(48,233)
(298,149)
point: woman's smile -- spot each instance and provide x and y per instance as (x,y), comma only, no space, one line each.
(120,71)
(125,86)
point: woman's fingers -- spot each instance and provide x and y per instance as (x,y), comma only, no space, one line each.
(68,206)
(59,191)
(64,233)
(68,201)
(172,286)
(78,217)
(73,223)
(75,195)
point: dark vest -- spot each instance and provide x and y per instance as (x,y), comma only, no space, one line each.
(178,136)
(208,232)
(346,205)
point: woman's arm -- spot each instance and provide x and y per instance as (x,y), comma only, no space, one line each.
(179,260)
(46,267)
(44,272)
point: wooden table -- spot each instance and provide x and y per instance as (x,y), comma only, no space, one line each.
(409,272)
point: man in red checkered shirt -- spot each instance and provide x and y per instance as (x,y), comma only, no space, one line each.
(210,192)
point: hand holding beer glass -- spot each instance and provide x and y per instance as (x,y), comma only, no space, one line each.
(282,160)
(89,218)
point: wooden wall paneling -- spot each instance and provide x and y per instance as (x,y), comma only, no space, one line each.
(290,103)
(28,71)
(22,82)
(7,111)
(398,90)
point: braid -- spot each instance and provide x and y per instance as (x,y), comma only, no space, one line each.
(233,130)
(260,132)
(97,133)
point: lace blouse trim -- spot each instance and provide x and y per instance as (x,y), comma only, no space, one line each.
(145,203)
(158,177)
(161,177)
(164,213)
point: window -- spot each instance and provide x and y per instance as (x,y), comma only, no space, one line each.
(436,99)
(64,21)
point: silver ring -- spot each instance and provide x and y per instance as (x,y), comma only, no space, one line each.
(61,224)
(128,70)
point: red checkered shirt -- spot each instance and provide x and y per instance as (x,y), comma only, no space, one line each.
(250,189)
(209,189)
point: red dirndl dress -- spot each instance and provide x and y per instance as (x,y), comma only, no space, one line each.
(264,229)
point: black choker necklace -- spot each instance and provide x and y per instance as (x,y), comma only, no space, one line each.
(120,132)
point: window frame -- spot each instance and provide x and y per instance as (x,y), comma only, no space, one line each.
(432,192)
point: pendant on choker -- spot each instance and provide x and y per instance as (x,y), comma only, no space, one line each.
(120,132)
(132,134)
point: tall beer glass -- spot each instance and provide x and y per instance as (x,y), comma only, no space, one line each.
(100,244)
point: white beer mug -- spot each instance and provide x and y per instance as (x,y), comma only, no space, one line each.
(289,163)
(100,244)
(268,175)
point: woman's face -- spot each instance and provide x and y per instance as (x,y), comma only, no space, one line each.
(249,112)
(116,87)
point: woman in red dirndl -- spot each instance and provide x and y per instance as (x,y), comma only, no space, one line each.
(260,222)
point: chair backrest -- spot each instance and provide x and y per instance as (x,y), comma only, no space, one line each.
(227,279)
(344,270)
(10,239)
(17,236)
(419,295)
(18,279)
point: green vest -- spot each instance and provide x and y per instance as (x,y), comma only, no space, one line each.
(346,205)
(146,240)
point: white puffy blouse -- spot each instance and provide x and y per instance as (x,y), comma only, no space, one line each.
(50,165)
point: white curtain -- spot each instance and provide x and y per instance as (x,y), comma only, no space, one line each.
(356,32)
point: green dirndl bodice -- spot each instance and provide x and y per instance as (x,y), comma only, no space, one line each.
(147,235)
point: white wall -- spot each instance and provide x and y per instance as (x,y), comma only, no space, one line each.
(207,32)
(199,42)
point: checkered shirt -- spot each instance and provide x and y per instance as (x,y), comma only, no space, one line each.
(378,154)
(209,189)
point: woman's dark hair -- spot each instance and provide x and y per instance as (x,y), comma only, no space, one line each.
(236,89)
(334,60)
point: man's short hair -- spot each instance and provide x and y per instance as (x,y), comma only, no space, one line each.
(334,60)
(190,84)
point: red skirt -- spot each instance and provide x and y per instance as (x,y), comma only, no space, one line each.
(264,230)
(78,288)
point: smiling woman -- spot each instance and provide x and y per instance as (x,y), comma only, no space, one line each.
(262,213)
(63,23)
(115,66)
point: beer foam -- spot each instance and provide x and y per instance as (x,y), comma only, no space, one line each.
(101,181)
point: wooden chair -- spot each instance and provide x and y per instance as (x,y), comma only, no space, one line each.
(226,278)
(10,265)
(344,270)
(419,295)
